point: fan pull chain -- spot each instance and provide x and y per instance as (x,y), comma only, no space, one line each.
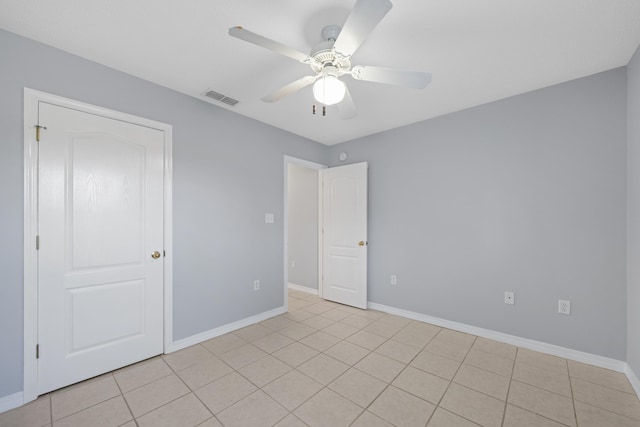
(314,109)
(324,110)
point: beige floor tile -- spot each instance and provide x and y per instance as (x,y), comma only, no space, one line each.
(367,419)
(346,352)
(542,402)
(358,387)
(590,416)
(298,315)
(297,331)
(273,342)
(357,320)
(130,424)
(541,360)
(455,337)
(33,414)
(341,330)
(186,411)
(186,357)
(265,370)
(323,368)
(444,418)
(83,395)
(401,408)
(396,350)
(328,409)
(489,362)
(606,398)
(351,310)
(223,343)
(542,378)
(151,396)
(518,417)
(474,406)
(290,421)
(112,413)
(211,422)
(495,347)
(242,356)
(380,367)
(416,335)
(383,329)
(605,377)
(292,389)
(390,319)
(141,373)
(422,384)
(318,322)
(253,332)
(366,339)
(320,341)
(295,354)
(483,381)
(224,392)
(317,308)
(438,365)
(278,323)
(447,349)
(257,409)
(335,314)
(203,373)
(299,305)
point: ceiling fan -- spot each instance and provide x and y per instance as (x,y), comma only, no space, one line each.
(331,59)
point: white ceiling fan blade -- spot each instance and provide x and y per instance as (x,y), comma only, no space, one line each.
(346,107)
(289,89)
(248,36)
(391,76)
(364,17)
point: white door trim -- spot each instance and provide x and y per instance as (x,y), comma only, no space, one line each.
(309,165)
(31,100)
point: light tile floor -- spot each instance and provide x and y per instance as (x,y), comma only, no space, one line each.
(325,364)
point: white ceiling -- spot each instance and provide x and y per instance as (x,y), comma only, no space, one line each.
(478,51)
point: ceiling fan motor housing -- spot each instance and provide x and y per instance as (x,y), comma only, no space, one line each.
(324,55)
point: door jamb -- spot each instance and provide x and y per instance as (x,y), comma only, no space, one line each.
(309,165)
(31,100)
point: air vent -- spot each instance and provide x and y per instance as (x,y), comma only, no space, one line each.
(221,98)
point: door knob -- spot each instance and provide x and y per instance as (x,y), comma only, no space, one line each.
(361,243)
(155,254)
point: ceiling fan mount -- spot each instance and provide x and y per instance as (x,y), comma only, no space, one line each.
(331,59)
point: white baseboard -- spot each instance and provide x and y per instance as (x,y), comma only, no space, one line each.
(10,402)
(633,379)
(555,350)
(303,289)
(229,327)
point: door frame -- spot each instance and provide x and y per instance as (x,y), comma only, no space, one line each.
(309,165)
(31,100)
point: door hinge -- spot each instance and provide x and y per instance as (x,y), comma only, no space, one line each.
(38,127)
(37,351)
(37,243)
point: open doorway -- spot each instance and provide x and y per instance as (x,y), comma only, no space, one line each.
(301,225)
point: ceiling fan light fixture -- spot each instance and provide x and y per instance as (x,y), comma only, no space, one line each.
(329,90)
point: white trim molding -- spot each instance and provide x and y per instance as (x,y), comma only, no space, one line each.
(11,401)
(555,350)
(32,99)
(303,289)
(633,379)
(225,329)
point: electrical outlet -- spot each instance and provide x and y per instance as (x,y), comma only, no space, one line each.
(256,285)
(509,298)
(564,306)
(268,218)
(394,279)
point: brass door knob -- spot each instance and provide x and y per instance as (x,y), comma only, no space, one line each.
(361,243)
(155,255)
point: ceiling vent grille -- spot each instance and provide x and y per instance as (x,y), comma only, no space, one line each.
(221,98)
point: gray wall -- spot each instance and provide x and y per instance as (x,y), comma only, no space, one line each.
(303,226)
(227,173)
(526,194)
(633,222)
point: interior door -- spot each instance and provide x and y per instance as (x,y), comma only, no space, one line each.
(344,238)
(100,227)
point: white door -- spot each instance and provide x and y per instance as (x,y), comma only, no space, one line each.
(344,243)
(100,291)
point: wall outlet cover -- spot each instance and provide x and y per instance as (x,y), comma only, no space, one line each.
(509,298)
(256,285)
(564,306)
(394,279)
